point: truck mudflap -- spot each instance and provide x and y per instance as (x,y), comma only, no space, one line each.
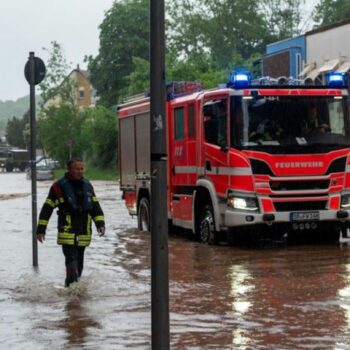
(235,218)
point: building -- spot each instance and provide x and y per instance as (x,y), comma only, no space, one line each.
(327,49)
(310,56)
(83,94)
(284,58)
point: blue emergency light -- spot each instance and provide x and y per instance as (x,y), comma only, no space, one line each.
(239,79)
(335,79)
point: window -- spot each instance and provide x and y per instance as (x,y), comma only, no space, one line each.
(179,123)
(81,93)
(191,121)
(215,121)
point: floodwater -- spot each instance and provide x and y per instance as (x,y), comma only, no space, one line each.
(272,297)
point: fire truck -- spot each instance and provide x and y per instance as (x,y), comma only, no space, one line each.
(264,158)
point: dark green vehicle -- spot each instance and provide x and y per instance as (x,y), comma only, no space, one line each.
(11,159)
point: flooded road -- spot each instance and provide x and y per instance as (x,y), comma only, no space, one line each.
(222,297)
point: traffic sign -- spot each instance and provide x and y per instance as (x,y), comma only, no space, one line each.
(39,71)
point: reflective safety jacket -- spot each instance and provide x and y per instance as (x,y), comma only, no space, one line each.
(77,206)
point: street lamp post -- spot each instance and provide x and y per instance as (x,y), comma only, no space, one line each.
(159,221)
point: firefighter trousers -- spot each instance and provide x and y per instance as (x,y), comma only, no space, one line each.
(74,260)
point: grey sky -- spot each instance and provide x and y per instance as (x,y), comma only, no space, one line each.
(30,25)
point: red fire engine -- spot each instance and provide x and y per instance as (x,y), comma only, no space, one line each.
(264,159)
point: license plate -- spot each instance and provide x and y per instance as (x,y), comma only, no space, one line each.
(304,216)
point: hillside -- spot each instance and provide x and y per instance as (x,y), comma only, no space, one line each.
(9,109)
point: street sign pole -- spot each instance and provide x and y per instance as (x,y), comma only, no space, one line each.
(159,215)
(33,158)
(34,72)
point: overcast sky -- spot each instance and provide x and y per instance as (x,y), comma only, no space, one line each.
(30,25)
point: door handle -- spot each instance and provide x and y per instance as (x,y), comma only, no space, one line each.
(207,165)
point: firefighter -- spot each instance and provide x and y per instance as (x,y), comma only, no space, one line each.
(312,124)
(77,205)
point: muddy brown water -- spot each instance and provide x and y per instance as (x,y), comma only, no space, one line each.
(271,297)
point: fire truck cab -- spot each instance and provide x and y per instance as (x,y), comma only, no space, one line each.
(258,159)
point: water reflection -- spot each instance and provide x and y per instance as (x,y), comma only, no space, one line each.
(77,322)
(220,297)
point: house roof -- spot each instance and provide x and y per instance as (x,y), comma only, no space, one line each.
(328,27)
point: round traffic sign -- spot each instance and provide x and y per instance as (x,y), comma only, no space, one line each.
(39,71)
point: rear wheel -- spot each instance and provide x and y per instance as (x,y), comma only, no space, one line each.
(207,232)
(9,168)
(143,217)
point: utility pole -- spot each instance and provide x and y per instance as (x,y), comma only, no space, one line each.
(34,72)
(159,215)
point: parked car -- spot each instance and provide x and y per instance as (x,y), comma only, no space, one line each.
(43,172)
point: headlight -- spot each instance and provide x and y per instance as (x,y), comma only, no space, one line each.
(244,203)
(345,201)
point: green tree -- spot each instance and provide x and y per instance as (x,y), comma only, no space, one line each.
(282,18)
(15,131)
(56,85)
(99,134)
(124,35)
(138,80)
(331,11)
(221,29)
(60,132)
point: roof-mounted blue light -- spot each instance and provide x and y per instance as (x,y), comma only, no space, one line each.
(239,79)
(335,79)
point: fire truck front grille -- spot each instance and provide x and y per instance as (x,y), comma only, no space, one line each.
(299,185)
(295,206)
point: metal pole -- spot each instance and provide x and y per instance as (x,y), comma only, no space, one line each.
(33,158)
(159,221)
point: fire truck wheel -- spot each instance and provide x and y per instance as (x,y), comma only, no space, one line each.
(207,233)
(143,217)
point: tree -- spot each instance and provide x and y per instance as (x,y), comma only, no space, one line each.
(124,35)
(138,80)
(60,132)
(56,85)
(219,29)
(99,134)
(282,18)
(331,11)
(15,128)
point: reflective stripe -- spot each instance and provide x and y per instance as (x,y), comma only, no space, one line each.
(214,170)
(65,238)
(69,239)
(99,218)
(43,222)
(186,169)
(50,202)
(94,199)
(231,171)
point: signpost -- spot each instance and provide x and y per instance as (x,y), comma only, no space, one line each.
(34,72)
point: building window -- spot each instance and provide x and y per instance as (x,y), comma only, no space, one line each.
(81,93)
(179,123)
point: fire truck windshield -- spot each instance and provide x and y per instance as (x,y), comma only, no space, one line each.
(275,123)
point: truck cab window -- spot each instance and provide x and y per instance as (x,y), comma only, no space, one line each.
(215,122)
(179,123)
(191,121)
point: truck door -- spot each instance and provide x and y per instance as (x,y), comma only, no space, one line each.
(216,121)
(182,161)
(179,154)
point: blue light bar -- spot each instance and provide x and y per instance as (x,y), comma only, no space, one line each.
(335,79)
(239,79)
